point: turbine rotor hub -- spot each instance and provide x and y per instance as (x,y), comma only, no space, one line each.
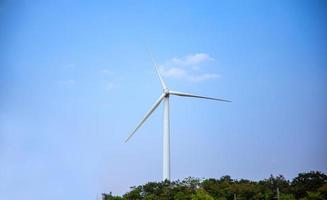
(166,92)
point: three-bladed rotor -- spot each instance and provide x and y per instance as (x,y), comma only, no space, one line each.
(166,93)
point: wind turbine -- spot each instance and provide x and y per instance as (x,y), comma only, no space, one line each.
(166,132)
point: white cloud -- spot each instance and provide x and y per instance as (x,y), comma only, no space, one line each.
(173,72)
(179,73)
(194,59)
(203,77)
(188,68)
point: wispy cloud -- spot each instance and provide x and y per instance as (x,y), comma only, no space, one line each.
(194,59)
(188,68)
(203,77)
(174,72)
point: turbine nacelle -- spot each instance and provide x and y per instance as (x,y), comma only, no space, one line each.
(166,92)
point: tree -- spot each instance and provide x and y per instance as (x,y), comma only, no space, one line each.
(110,197)
(152,188)
(306,186)
(151,197)
(246,190)
(323,190)
(287,197)
(211,186)
(201,194)
(307,182)
(182,196)
(134,194)
(313,196)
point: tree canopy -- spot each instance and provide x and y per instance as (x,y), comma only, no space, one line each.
(306,186)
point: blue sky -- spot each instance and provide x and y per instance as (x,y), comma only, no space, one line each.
(75,78)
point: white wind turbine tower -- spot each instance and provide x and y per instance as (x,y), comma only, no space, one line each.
(166,133)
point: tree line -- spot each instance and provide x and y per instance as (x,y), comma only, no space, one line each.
(306,186)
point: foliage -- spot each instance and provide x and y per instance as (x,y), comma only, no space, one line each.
(308,182)
(306,186)
(201,194)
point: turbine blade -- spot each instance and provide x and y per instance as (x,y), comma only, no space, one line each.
(196,96)
(154,106)
(160,77)
(157,70)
